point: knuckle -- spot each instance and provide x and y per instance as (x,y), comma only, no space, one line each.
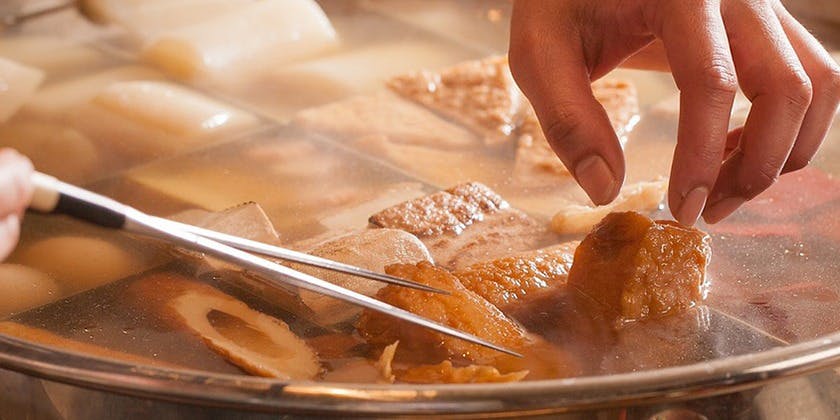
(563,128)
(797,90)
(719,79)
(759,181)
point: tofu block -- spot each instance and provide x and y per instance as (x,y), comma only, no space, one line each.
(17,85)
(637,268)
(463,225)
(170,108)
(264,33)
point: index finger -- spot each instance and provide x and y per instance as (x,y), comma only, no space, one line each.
(698,52)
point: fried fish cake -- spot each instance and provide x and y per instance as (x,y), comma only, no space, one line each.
(639,268)
(509,280)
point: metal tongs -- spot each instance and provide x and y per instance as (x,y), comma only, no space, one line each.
(56,197)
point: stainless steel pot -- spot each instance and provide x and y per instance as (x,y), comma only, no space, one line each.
(785,382)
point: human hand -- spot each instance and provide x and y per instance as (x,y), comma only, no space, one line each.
(15,194)
(558,48)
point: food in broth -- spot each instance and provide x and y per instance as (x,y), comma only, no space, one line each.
(17,84)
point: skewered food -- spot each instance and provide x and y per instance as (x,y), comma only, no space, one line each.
(638,268)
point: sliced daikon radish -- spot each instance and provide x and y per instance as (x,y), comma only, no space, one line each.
(59,98)
(170,108)
(146,18)
(17,84)
(259,34)
(56,56)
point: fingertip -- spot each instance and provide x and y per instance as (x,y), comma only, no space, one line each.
(597,179)
(687,208)
(722,209)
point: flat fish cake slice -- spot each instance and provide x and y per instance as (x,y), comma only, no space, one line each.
(516,278)
(479,94)
(464,224)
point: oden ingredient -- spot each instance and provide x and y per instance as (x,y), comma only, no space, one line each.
(639,268)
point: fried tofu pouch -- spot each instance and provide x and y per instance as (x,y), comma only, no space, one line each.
(463,310)
(638,268)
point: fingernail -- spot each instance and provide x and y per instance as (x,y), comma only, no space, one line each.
(692,205)
(597,180)
(718,211)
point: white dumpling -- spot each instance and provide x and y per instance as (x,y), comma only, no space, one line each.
(23,288)
(170,108)
(258,34)
(54,149)
(80,263)
(17,84)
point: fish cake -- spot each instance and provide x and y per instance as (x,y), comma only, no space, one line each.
(638,268)
(479,94)
(509,280)
(465,311)
(465,224)
(461,309)
(19,82)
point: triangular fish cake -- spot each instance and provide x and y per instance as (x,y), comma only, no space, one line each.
(479,94)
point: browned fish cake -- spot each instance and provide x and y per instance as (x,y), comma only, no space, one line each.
(508,280)
(536,163)
(640,268)
(480,94)
(447,373)
(463,310)
(464,224)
